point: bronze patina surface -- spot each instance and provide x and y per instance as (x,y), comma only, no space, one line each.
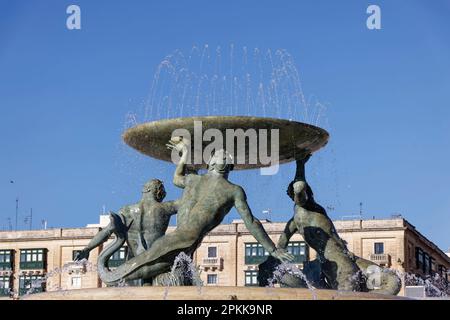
(296,139)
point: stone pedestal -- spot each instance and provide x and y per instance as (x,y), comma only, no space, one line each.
(206,293)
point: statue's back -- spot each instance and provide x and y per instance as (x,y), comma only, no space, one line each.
(206,199)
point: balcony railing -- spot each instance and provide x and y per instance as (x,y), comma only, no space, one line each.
(6,265)
(75,267)
(24,291)
(255,259)
(213,263)
(114,263)
(250,260)
(35,265)
(381,258)
(4,292)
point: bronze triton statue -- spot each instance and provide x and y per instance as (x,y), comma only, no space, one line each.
(336,267)
(138,224)
(205,202)
(312,222)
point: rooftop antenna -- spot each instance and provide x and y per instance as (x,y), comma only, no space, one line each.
(104,209)
(9,224)
(355,216)
(360,210)
(44,224)
(396,215)
(29,219)
(17,206)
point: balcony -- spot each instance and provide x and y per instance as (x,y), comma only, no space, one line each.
(382,258)
(31,282)
(33,259)
(212,263)
(6,259)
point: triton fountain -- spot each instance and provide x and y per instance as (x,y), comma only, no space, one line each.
(214,195)
(220,144)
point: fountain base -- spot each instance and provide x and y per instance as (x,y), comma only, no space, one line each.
(206,293)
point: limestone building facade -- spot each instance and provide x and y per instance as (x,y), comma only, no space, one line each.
(228,256)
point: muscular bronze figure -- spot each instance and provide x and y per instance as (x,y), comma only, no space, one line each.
(335,267)
(311,220)
(205,202)
(146,221)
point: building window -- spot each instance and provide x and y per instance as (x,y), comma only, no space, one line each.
(299,250)
(378,248)
(443,272)
(118,257)
(211,279)
(31,284)
(6,259)
(410,254)
(5,285)
(33,258)
(433,266)
(419,258)
(212,252)
(75,282)
(251,278)
(255,253)
(426,263)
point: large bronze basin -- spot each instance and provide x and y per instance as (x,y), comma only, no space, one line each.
(296,139)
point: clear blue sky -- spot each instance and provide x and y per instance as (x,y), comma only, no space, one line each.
(64,96)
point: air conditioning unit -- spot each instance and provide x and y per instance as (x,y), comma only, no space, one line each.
(415,292)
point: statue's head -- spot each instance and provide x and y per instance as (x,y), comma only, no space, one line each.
(296,187)
(156,188)
(221,162)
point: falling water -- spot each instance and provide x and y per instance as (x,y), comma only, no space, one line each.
(224,80)
(85,265)
(230,81)
(183,272)
(435,285)
(290,269)
(68,267)
(122,283)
